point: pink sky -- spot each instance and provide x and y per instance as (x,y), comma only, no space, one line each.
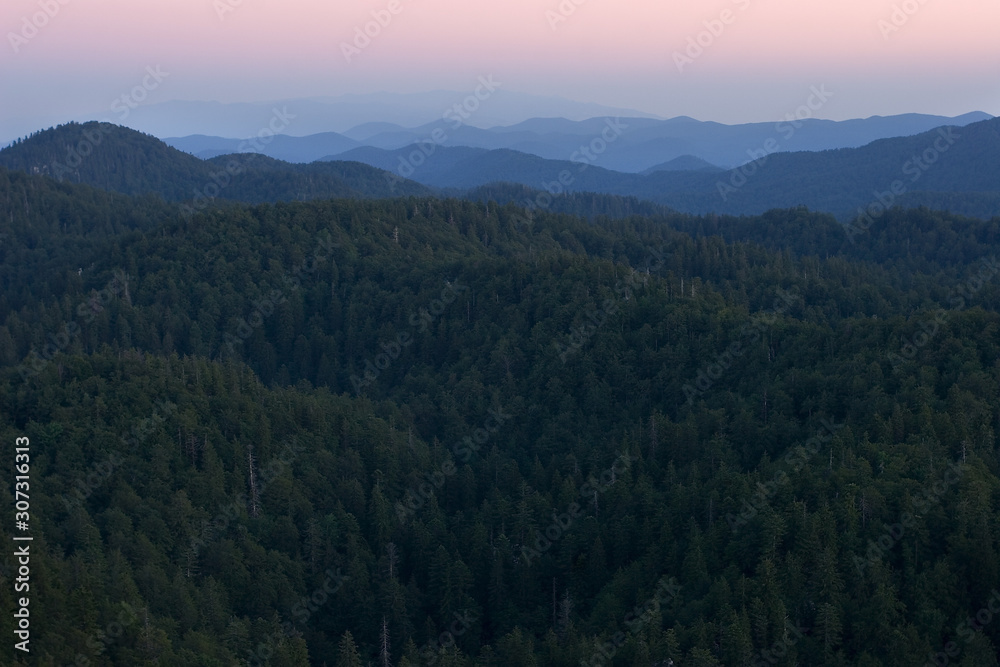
(943,59)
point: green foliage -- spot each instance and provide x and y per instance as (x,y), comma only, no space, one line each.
(220,472)
(123,160)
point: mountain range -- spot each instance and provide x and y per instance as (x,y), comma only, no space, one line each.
(636,145)
(495,105)
(949,167)
(837,181)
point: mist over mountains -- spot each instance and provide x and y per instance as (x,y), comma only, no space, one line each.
(952,166)
(344,112)
(640,143)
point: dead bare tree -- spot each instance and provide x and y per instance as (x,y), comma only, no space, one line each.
(384,645)
(254,491)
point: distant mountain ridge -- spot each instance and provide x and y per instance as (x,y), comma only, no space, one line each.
(837,181)
(684,163)
(315,115)
(644,143)
(280,147)
(951,168)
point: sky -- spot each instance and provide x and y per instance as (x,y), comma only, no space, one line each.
(730,61)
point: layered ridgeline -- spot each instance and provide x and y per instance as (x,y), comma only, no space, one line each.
(954,168)
(452,432)
(949,168)
(123,160)
(644,145)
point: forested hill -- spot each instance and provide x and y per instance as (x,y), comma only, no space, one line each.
(297,433)
(123,160)
(908,171)
(955,169)
(920,236)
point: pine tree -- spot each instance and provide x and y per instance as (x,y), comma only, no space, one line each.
(828,629)
(347,653)
(737,647)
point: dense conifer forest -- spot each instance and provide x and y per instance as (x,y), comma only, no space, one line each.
(462,432)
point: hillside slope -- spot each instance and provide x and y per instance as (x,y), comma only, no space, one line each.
(123,160)
(268,432)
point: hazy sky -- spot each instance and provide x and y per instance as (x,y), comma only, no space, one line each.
(756,62)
